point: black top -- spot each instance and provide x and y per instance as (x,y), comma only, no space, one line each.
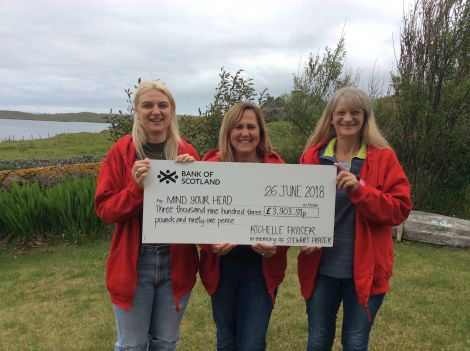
(154,151)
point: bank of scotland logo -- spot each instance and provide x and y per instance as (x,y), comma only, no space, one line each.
(167,176)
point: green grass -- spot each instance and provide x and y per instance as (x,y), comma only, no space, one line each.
(55,299)
(59,146)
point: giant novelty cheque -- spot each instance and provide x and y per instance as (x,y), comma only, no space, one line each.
(241,203)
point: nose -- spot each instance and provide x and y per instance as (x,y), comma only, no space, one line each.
(156,110)
(245,131)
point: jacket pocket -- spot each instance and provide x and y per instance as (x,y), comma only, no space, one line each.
(118,272)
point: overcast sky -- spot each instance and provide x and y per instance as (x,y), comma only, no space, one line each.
(80,55)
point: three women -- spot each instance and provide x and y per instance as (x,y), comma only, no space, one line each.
(150,284)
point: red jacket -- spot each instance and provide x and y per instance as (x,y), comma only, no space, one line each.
(274,267)
(119,200)
(382,201)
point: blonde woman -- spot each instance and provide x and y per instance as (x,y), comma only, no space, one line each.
(373,194)
(149,284)
(242,280)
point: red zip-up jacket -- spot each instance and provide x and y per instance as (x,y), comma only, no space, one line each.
(274,267)
(382,201)
(119,200)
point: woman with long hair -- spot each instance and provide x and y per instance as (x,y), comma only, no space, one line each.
(149,284)
(242,280)
(373,194)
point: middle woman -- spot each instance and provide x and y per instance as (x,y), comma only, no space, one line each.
(242,280)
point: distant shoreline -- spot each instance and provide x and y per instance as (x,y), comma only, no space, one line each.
(56,117)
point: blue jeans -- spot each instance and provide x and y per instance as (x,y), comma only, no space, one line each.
(152,322)
(323,306)
(241,307)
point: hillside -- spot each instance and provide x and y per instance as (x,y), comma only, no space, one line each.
(61,117)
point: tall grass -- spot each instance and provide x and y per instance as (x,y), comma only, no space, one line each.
(63,211)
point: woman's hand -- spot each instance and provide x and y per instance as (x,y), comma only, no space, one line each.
(309,249)
(266,250)
(345,180)
(140,171)
(222,248)
(184,158)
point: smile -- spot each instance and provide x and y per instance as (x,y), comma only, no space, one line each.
(158,119)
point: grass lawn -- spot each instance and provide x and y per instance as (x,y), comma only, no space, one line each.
(55,299)
(59,146)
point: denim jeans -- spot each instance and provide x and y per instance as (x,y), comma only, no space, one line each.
(241,307)
(323,306)
(152,322)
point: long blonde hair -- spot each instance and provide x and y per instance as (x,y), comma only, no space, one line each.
(353,97)
(139,135)
(231,118)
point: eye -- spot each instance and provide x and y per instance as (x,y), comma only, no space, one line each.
(164,105)
(356,112)
(146,105)
(340,113)
(238,127)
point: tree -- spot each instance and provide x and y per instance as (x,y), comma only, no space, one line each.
(431,131)
(320,78)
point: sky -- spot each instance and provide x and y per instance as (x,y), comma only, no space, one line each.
(80,55)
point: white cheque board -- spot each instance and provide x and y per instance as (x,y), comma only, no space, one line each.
(242,203)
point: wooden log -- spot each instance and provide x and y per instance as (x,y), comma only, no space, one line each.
(400,232)
(436,229)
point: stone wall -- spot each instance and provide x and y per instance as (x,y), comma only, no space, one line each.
(48,175)
(33,163)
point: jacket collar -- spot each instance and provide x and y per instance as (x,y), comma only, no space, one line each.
(330,150)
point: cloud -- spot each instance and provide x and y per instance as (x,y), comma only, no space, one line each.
(81,55)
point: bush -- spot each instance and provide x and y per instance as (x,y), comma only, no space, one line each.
(191,128)
(285,141)
(231,90)
(121,123)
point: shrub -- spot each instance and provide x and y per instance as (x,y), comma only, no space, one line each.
(121,123)
(230,90)
(285,141)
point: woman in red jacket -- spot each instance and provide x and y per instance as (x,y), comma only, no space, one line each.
(242,280)
(149,284)
(373,194)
